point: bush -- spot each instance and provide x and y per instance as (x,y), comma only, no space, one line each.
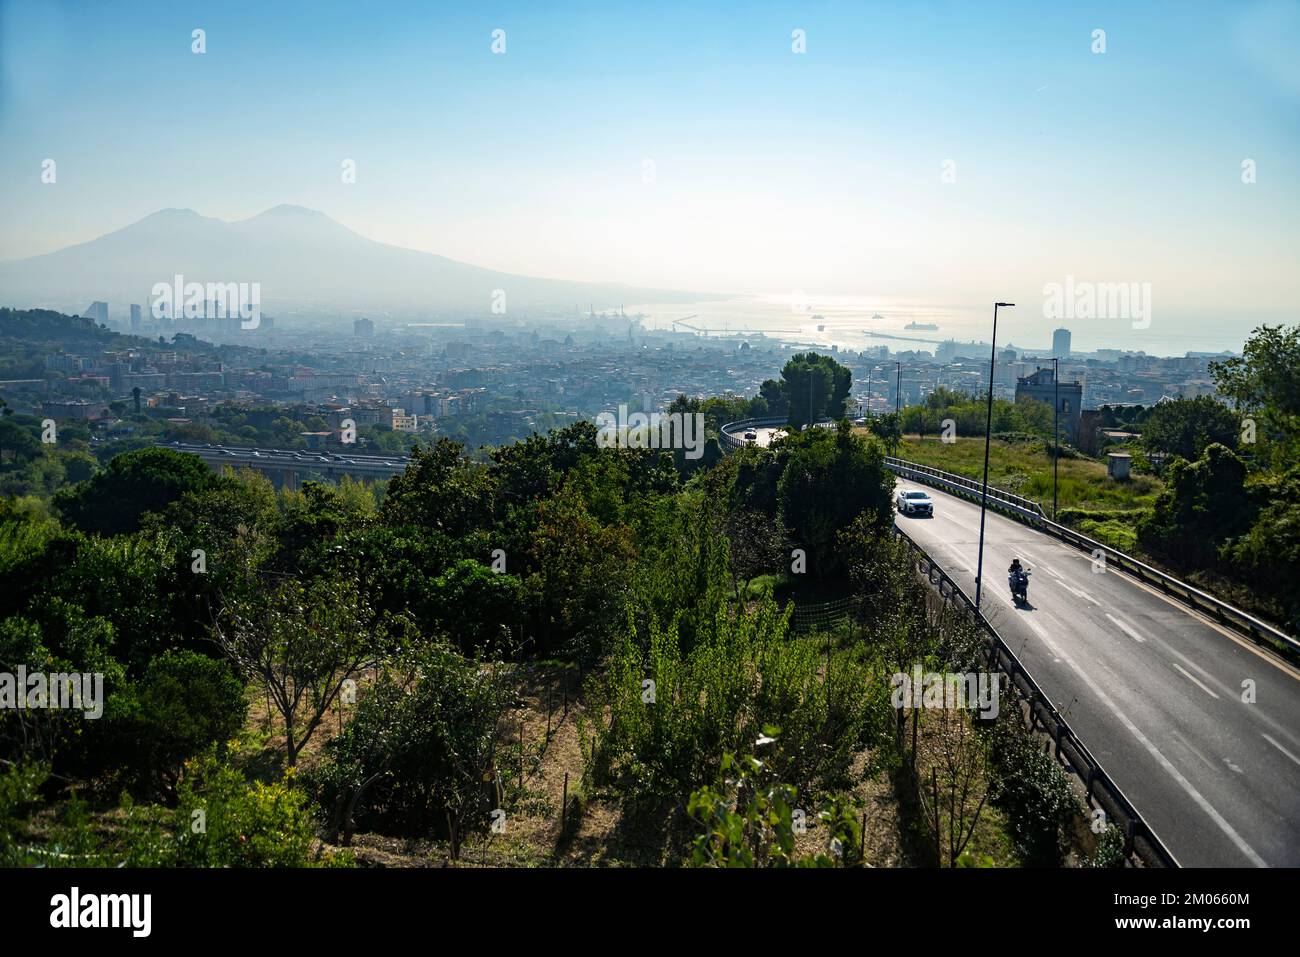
(20,790)
(742,673)
(186,703)
(1032,791)
(223,821)
(413,760)
(760,831)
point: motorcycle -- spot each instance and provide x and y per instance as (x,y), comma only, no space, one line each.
(1019,586)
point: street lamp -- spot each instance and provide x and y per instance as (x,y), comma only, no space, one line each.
(988,434)
(898,407)
(1056,428)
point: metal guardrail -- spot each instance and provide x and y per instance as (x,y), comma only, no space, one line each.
(960,485)
(1032,513)
(1139,838)
(730,442)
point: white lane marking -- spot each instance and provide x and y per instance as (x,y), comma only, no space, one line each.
(1078,591)
(1194,680)
(1126,629)
(1047,568)
(1164,761)
(1282,749)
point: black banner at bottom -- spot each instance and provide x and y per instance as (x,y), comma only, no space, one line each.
(336,907)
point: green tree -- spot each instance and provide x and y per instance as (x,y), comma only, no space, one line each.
(113,501)
(18,443)
(1203,505)
(420,755)
(186,703)
(1186,427)
(750,820)
(1264,382)
(300,643)
(440,490)
(830,478)
(777,394)
(817,386)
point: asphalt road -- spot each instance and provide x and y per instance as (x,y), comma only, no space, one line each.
(1152,688)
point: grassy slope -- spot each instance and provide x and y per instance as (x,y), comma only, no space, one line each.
(1026,469)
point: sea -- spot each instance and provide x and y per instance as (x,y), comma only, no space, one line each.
(852,322)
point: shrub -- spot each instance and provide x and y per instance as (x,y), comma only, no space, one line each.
(742,673)
(749,819)
(186,703)
(1033,792)
(413,760)
(223,821)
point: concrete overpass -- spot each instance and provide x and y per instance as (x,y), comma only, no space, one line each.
(287,468)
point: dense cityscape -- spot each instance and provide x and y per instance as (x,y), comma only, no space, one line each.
(487,381)
(501,471)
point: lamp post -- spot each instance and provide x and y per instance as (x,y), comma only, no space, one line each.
(1056,428)
(988,434)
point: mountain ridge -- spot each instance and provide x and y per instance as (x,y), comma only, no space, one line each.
(300,257)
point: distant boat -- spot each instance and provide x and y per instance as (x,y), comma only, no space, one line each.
(921,326)
(877,316)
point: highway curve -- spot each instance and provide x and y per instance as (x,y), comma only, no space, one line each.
(1152,688)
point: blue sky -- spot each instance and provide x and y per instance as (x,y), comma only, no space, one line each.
(772,171)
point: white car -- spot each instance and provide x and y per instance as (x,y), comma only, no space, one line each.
(913,502)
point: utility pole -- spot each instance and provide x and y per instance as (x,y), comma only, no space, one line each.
(810,393)
(988,434)
(898,396)
(1056,428)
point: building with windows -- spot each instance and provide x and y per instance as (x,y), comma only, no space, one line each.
(1041,386)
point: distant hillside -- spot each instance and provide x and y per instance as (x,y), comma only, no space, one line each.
(31,332)
(299,256)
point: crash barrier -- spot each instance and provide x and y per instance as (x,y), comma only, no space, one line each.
(731,435)
(964,487)
(1140,840)
(1030,512)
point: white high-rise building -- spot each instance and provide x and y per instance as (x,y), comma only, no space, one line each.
(1061,343)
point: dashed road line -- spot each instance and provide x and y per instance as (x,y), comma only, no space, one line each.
(1273,742)
(1128,630)
(1194,680)
(1164,762)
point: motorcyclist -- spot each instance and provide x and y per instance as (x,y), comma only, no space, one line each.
(1017,578)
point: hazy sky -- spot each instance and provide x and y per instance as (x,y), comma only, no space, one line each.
(773,171)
